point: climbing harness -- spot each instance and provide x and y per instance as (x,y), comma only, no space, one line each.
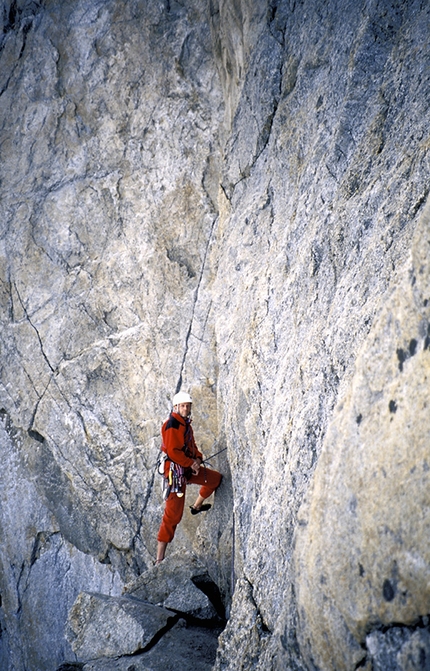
(176,478)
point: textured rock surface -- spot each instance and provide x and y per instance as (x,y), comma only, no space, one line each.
(317,239)
(227,196)
(362,542)
(102,626)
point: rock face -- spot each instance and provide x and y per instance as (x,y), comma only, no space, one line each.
(226,197)
(361,542)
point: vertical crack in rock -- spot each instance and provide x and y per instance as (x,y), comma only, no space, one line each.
(196,296)
(264,136)
(18,587)
(276,21)
(254,117)
(25,30)
(149,489)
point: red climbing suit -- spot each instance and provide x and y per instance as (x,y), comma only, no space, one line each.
(180,446)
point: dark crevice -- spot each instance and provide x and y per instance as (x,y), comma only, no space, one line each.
(171,621)
(32,432)
(15,19)
(413,347)
(405,354)
(5,419)
(5,86)
(225,193)
(148,492)
(264,136)
(388,590)
(25,30)
(177,257)
(11,17)
(41,539)
(401,356)
(36,436)
(427,339)
(211,590)
(187,337)
(18,585)
(420,623)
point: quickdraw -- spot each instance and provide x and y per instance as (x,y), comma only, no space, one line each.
(176,478)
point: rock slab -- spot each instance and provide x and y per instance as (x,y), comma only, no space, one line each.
(102,626)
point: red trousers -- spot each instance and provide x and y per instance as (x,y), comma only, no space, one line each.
(174,508)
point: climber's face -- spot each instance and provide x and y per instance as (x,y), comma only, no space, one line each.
(183,409)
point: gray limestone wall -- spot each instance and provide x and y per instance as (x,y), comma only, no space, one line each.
(227,197)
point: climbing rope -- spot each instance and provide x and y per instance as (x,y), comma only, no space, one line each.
(214,455)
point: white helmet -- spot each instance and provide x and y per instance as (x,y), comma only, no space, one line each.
(181,397)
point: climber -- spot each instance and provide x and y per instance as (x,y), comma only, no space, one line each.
(181,450)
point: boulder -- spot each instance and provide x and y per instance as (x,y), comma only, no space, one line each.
(180,583)
(103,626)
(183,647)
